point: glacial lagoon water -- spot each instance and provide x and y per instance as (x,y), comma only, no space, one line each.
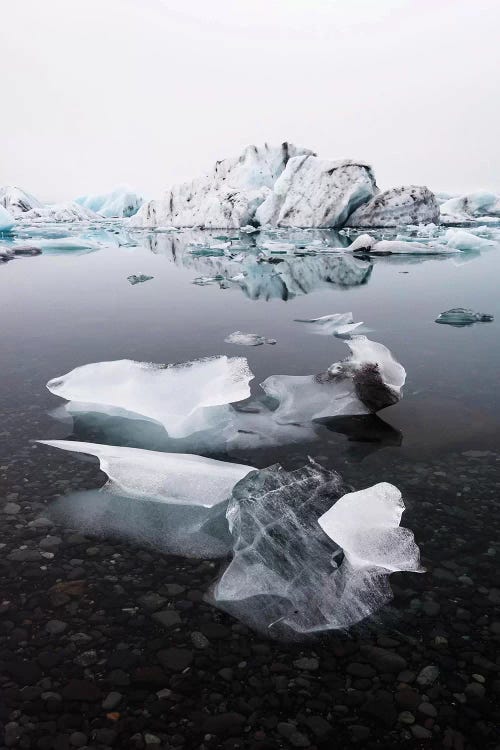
(73,305)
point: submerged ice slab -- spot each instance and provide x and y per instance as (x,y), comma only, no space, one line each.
(7,220)
(367,381)
(290,572)
(119,203)
(247,339)
(461,316)
(180,397)
(398,206)
(340,324)
(17,201)
(175,478)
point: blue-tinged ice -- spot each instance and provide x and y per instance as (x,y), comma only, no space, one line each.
(119,203)
(7,221)
(337,324)
(468,208)
(461,316)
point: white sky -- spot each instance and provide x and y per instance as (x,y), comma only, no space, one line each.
(149,92)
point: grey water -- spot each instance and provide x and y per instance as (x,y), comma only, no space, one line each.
(439,444)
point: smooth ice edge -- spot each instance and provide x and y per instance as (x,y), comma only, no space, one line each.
(174,478)
(291,570)
(462,316)
(366,524)
(331,325)
(180,397)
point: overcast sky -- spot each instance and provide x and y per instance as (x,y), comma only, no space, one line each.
(151,92)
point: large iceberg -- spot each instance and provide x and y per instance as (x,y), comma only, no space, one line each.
(174,478)
(469,207)
(183,398)
(367,381)
(278,186)
(17,201)
(301,565)
(314,192)
(226,197)
(7,221)
(119,203)
(401,205)
(59,212)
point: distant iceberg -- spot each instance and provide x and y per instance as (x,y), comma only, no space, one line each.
(398,206)
(17,201)
(7,221)
(59,212)
(119,203)
(467,208)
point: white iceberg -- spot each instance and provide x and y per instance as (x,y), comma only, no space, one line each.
(184,398)
(292,573)
(247,339)
(174,478)
(469,207)
(314,192)
(459,239)
(337,324)
(7,221)
(367,381)
(59,212)
(17,201)
(119,203)
(402,205)
(365,244)
(227,197)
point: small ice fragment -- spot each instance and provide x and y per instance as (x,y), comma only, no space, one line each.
(367,381)
(247,339)
(139,278)
(180,397)
(461,316)
(329,325)
(175,478)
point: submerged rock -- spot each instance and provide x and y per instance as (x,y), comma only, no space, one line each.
(461,316)
(401,205)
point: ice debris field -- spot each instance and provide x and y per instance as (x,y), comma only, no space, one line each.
(301,552)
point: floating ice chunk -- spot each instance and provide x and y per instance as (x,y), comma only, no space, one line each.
(401,205)
(175,478)
(26,250)
(180,397)
(367,381)
(364,242)
(314,192)
(119,203)
(289,573)
(330,325)
(139,278)
(461,316)
(59,212)
(7,221)
(459,239)
(6,253)
(17,201)
(247,339)
(466,208)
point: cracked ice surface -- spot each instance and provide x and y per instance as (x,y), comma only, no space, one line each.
(174,478)
(184,398)
(291,572)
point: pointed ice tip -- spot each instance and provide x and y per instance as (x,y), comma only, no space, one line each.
(54,384)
